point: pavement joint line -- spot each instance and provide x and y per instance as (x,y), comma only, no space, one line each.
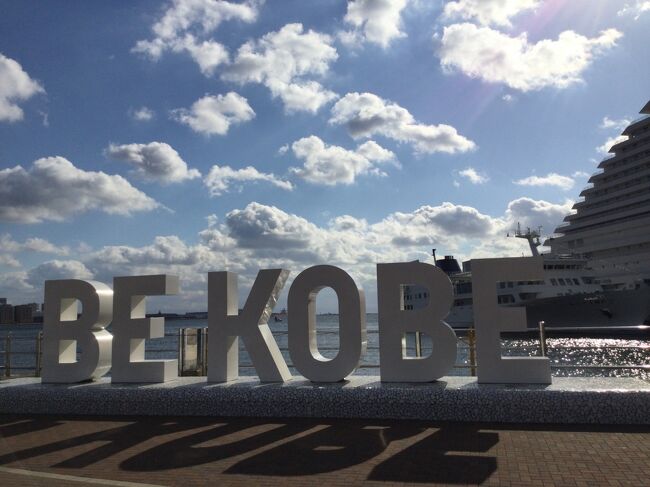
(73,478)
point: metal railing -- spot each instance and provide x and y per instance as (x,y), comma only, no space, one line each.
(191,348)
(9,367)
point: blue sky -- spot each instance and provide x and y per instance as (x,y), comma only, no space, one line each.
(197,135)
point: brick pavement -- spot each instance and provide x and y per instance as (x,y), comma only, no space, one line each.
(212,451)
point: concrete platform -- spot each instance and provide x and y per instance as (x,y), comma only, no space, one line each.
(567,400)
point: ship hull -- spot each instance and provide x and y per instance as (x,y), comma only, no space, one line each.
(609,308)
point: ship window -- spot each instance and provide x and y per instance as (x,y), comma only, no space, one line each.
(554,281)
(562,282)
(525,296)
(510,284)
(506,299)
(502,285)
(576,282)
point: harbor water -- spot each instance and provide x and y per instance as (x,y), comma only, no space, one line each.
(574,356)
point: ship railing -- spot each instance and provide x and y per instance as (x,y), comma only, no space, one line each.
(21,356)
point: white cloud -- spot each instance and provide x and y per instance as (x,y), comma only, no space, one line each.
(537,213)
(54,189)
(213,115)
(481,52)
(155,161)
(15,85)
(488,12)
(33,244)
(7,260)
(281,61)
(58,269)
(366,114)
(376,21)
(551,179)
(609,123)
(180,25)
(142,114)
(580,174)
(637,8)
(220,178)
(331,165)
(261,237)
(611,141)
(473,176)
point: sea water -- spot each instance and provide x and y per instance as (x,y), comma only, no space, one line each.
(569,356)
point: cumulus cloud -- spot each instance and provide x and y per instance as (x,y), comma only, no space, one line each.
(186,25)
(33,244)
(635,8)
(155,161)
(430,224)
(610,142)
(473,176)
(263,226)
(8,261)
(142,114)
(282,61)
(366,114)
(495,57)
(261,236)
(58,269)
(609,123)
(551,179)
(331,165)
(213,115)
(220,178)
(376,21)
(54,189)
(537,213)
(15,86)
(488,12)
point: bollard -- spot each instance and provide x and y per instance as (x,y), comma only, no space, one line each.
(181,349)
(8,356)
(37,367)
(471,343)
(202,351)
(542,339)
(418,344)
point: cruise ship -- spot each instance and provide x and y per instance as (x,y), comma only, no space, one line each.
(597,272)
(610,226)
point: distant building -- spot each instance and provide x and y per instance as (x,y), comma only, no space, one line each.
(3,300)
(6,314)
(24,313)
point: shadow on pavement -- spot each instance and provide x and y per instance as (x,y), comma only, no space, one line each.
(446,452)
(431,459)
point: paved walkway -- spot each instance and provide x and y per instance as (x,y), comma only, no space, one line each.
(132,452)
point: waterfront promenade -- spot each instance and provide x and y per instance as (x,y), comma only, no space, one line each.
(166,451)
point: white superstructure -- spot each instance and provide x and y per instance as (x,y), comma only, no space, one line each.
(610,227)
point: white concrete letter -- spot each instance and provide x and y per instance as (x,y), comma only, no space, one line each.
(63,331)
(131,328)
(394,322)
(490,320)
(303,347)
(226,325)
